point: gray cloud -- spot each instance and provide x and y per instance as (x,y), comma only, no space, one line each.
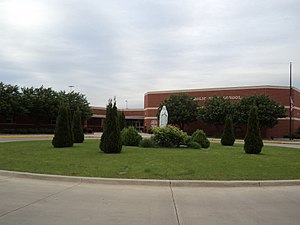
(126,48)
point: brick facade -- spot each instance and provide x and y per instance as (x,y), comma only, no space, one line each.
(152,101)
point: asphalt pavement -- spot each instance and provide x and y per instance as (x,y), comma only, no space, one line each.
(26,201)
(64,201)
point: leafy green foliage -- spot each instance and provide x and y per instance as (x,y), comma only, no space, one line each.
(40,103)
(194,145)
(62,135)
(147,143)
(215,110)
(76,100)
(10,101)
(268,110)
(111,138)
(70,122)
(168,136)
(122,120)
(187,139)
(200,137)
(182,109)
(77,127)
(253,140)
(130,137)
(228,137)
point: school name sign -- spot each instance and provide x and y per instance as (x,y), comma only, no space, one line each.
(230,97)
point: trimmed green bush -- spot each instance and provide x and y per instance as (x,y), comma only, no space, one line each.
(253,141)
(187,140)
(77,127)
(147,143)
(168,136)
(111,138)
(62,135)
(205,143)
(130,137)
(194,145)
(200,137)
(228,137)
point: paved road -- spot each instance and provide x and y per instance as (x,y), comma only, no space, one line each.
(30,201)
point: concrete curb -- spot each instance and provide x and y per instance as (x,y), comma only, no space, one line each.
(240,141)
(150,182)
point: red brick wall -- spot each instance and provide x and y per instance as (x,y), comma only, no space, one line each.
(152,101)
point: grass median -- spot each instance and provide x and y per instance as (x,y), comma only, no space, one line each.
(217,163)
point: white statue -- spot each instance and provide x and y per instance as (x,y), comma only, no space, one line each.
(163,117)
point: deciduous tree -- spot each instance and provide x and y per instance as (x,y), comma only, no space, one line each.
(215,110)
(182,109)
(268,110)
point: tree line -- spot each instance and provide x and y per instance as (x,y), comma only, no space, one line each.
(39,103)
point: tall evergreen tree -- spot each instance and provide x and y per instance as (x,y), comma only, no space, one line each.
(253,140)
(70,122)
(77,127)
(111,139)
(228,137)
(62,135)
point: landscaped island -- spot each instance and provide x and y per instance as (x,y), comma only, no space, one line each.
(216,163)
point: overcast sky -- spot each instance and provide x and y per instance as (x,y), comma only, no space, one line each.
(125,48)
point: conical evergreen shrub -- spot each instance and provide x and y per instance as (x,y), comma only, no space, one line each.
(70,122)
(77,127)
(253,141)
(62,134)
(228,137)
(111,139)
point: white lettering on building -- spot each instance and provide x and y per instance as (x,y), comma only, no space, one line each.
(230,97)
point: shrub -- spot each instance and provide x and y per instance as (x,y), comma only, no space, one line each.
(168,136)
(205,143)
(200,137)
(62,134)
(111,138)
(147,143)
(150,130)
(130,137)
(70,122)
(228,138)
(194,145)
(187,140)
(77,127)
(253,141)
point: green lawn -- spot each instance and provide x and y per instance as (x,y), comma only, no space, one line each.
(217,163)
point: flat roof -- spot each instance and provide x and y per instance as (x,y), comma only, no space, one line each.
(221,89)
